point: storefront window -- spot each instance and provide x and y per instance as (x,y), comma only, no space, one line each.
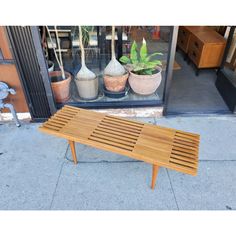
(97,50)
(230,64)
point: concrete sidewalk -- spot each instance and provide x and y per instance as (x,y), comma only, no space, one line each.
(36,172)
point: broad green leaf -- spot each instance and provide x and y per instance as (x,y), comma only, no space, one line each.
(143,51)
(125,60)
(154,54)
(149,65)
(148,72)
(155,63)
(133,53)
(138,68)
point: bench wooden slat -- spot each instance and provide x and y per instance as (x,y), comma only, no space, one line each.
(160,146)
(124,122)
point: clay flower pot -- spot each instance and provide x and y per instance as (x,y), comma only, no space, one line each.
(87,88)
(60,88)
(115,83)
(145,84)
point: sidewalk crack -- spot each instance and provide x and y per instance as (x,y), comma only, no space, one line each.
(58,178)
(172,190)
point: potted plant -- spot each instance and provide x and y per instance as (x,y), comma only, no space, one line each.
(86,81)
(60,79)
(115,75)
(145,73)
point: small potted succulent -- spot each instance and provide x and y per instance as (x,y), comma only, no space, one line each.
(86,81)
(115,75)
(60,79)
(145,72)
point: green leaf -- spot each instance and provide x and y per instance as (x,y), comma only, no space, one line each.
(154,54)
(125,60)
(133,53)
(138,68)
(143,51)
(148,72)
(145,72)
(155,63)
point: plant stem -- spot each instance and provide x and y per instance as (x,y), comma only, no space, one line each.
(60,56)
(55,53)
(81,47)
(113,55)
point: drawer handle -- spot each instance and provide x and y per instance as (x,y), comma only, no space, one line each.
(182,42)
(194,54)
(196,44)
(183,32)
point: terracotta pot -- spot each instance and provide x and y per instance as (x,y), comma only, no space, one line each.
(87,89)
(115,83)
(61,89)
(145,84)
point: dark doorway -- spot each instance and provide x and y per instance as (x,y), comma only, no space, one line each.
(194,94)
(193,89)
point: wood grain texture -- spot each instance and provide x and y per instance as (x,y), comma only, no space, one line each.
(155,169)
(9,75)
(206,49)
(153,144)
(72,147)
(4,46)
(185,33)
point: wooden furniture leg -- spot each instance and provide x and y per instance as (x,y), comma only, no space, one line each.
(155,169)
(72,147)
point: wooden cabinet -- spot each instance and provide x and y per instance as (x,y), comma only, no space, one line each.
(185,33)
(206,49)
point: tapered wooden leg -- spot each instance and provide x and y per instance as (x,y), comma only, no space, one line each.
(72,147)
(155,169)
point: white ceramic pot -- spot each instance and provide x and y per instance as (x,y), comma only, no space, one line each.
(87,89)
(145,84)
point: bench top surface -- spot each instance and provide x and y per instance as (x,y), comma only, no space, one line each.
(162,146)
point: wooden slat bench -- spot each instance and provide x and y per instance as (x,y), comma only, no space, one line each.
(159,146)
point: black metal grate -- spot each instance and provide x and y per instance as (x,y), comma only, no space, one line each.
(27,62)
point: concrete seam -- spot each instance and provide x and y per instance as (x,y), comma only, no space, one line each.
(172,190)
(58,178)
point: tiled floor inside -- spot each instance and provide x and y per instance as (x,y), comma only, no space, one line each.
(194,94)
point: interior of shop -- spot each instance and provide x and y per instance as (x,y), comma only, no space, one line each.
(193,90)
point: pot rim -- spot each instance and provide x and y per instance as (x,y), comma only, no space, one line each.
(148,76)
(68,77)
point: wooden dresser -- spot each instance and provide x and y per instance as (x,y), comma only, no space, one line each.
(185,33)
(202,45)
(206,49)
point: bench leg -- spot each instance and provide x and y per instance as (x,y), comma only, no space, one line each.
(72,147)
(155,169)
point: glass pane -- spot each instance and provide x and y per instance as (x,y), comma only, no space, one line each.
(230,65)
(97,48)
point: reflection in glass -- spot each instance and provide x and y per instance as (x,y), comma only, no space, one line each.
(97,44)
